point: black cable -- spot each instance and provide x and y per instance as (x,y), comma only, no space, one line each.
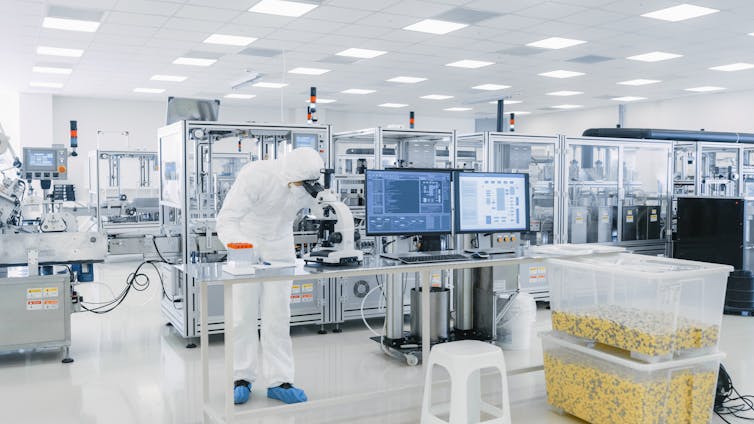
(157,249)
(724,399)
(136,280)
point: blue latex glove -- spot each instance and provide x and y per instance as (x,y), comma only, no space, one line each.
(241,392)
(286,393)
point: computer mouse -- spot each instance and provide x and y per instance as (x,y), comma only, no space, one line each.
(480,255)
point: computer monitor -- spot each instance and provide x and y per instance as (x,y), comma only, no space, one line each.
(491,202)
(403,202)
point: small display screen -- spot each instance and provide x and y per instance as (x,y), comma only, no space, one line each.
(41,159)
(305,140)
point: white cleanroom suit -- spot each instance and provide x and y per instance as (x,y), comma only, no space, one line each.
(260,209)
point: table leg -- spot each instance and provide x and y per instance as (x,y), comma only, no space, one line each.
(204,341)
(228,326)
(426,288)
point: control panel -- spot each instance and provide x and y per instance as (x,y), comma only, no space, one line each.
(43,163)
(314,140)
(506,241)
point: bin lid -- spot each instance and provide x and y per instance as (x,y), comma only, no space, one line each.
(625,361)
(643,266)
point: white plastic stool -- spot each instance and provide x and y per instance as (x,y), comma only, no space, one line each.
(464,360)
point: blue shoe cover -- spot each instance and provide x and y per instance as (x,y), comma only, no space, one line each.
(241,392)
(286,393)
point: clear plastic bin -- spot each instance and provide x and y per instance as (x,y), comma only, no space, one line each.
(656,308)
(241,258)
(568,249)
(604,387)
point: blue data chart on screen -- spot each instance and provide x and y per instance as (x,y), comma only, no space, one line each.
(408,202)
(492,202)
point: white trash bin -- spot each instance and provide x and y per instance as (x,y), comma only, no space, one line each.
(514,329)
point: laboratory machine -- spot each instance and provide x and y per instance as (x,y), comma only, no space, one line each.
(43,255)
(198,163)
(617,191)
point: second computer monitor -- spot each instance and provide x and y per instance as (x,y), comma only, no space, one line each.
(407,202)
(491,202)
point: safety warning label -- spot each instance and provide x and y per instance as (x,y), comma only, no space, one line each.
(307,297)
(295,298)
(50,304)
(34,293)
(33,305)
(51,292)
(307,287)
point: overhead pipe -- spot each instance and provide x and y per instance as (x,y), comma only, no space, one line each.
(676,135)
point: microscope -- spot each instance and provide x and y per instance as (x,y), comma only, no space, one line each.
(337,232)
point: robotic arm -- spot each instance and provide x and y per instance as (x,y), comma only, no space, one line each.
(337,232)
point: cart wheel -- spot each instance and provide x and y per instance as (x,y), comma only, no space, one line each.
(412,360)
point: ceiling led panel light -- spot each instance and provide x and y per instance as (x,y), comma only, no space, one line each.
(561,74)
(283,8)
(194,61)
(57,51)
(361,53)
(638,82)
(229,40)
(565,93)
(457,109)
(556,43)
(407,80)
(654,56)
(51,70)
(240,96)
(733,67)
(308,71)
(168,78)
(680,13)
(270,85)
(705,89)
(393,105)
(628,98)
(437,97)
(433,26)
(70,24)
(470,64)
(149,90)
(490,87)
(567,106)
(358,91)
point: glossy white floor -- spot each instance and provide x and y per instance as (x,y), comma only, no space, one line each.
(130,368)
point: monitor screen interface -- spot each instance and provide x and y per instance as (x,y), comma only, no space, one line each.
(41,159)
(408,202)
(305,140)
(492,202)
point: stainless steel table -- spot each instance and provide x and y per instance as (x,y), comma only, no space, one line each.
(212,274)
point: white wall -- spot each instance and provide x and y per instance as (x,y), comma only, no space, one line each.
(731,112)
(9,118)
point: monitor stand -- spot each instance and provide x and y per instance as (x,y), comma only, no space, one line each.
(431,243)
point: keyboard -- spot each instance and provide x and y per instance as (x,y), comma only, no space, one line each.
(416,259)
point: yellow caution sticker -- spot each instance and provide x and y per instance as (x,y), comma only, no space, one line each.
(51,292)
(295,288)
(307,287)
(34,293)
(629,218)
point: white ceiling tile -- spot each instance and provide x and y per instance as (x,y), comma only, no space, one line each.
(125,18)
(240,5)
(207,13)
(418,8)
(148,7)
(111,29)
(205,28)
(337,14)
(363,5)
